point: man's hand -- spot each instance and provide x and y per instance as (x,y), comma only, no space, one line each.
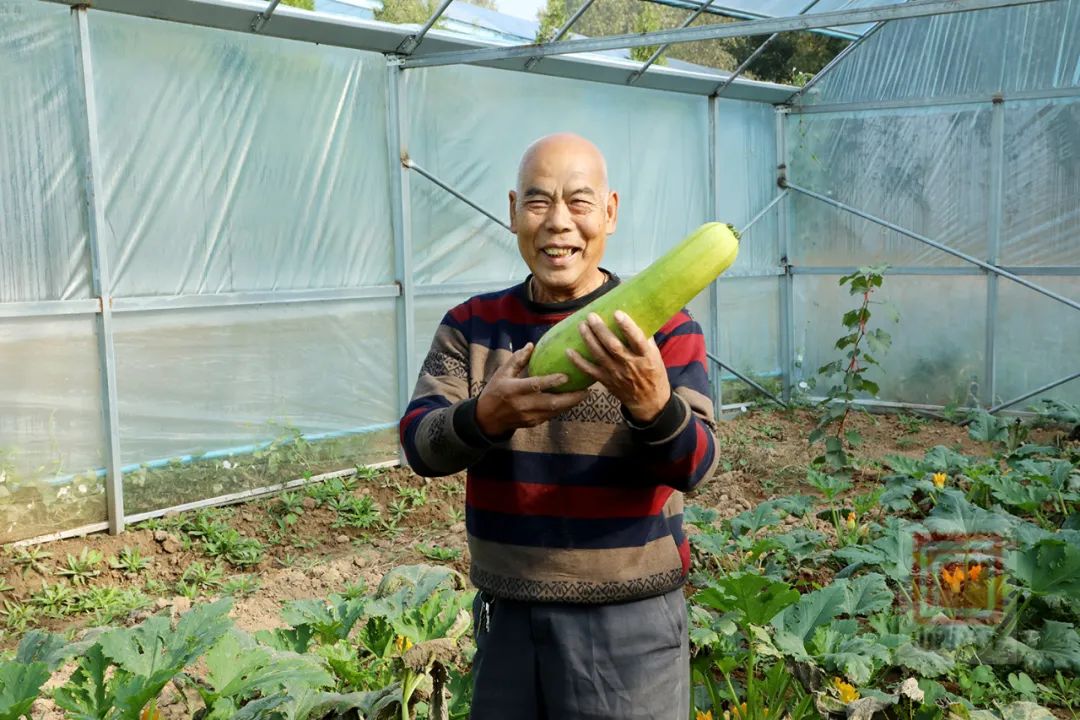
(634,372)
(510,400)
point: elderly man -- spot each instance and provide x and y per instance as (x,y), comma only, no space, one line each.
(573,501)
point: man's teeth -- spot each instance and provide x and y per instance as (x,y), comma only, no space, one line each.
(557,252)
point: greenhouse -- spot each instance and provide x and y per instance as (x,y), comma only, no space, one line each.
(222,236)
(229,230)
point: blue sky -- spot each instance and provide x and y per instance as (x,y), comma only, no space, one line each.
(521,8)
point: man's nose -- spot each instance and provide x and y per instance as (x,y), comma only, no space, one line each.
(558,217)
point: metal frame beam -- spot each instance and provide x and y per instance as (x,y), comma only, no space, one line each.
(934,244)
(262,18)
(411,165)
(724,10)
(101,282)
(660,50)
(944,101)
(755,55)
(531,62)
(787,280)
(411,42)
(401,218)
(715,375)
(1033,393)
(744,379)
(834,62)
(913,9)
(995,223)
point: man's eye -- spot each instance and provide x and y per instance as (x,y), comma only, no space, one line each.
(537,204)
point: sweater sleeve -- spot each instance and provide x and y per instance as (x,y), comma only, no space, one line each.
(679,445)
(439,432)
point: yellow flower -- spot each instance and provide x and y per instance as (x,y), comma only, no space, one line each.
(846,691)
(402,643)
(974,572)
(851,521)
(939,479)
(703,715)
(953,578)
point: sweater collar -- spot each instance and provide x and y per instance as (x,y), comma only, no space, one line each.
(610,281)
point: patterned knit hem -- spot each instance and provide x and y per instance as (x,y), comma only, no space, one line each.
(576,591)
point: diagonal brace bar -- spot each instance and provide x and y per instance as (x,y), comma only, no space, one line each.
(411,42)
(663,48)
(755,55)
(264,17)
(407,162)
(745,379)
(912,9)
(1033,393)
(531,63)
(834,62)
(934,244)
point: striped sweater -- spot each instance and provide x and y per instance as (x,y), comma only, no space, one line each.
(587,507)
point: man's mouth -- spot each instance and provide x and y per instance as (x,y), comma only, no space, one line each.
(557,252)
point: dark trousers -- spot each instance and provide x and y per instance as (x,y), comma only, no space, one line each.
(551,661)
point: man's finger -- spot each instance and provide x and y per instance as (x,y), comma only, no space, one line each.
(601,357)
(608,339)
(593,371)
(635,338)
(519,361)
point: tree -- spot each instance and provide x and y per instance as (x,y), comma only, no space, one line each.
(302,4)
(791,58)
(416,12)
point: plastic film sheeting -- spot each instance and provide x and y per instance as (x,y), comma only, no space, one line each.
(925,170)
(43,234)
(51,436)
(223,380)
(233,163)
(1008,50)
(937,354)
(469,126)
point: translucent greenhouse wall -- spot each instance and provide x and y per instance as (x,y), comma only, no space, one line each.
(240,191)
(914,126)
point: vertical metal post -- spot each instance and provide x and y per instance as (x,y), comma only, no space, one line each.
(716,372)
(401,219)
(997,185)
(787,295)
(100,278)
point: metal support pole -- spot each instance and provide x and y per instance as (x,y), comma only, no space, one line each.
(912,9)
(411,42)
(402,225)
(1033,393)
(715,372)
(933,243)
(531,62)
(787,281)
(997,219)
(834,62)
(410,164)
(745,379)
(262,18)
(660,50)
(755,55)
(100,278)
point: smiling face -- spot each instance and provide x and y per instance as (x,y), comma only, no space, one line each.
(562,213)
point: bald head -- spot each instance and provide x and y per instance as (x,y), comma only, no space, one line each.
(562,212)
(559,149)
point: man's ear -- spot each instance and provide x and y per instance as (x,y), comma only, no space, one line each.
(513,211)
(612,211)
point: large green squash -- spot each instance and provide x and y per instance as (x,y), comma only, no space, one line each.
(650,298)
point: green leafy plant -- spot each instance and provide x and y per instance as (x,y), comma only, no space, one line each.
(235,548)
(32,558)
(862,348)
(82,567)
(125,669)
(130,560)
(435,552)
